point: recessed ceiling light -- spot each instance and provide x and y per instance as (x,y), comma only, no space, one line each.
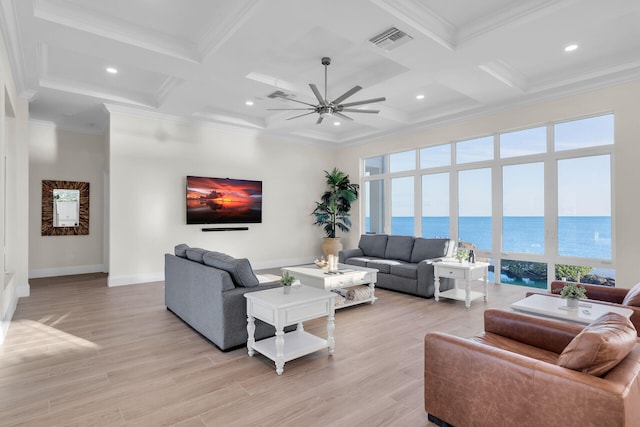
(112,70)
(571,48)
(249,103)
(336,123)
(421,96)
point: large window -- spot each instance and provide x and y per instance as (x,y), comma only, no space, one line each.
(584,207)
(536,201)
(523,208)
(435,205)
(474,202)
(374,210)
(402,206)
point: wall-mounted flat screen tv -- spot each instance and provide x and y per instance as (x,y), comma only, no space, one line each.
(223,201)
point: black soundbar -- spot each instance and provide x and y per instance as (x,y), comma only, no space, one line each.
(225,229)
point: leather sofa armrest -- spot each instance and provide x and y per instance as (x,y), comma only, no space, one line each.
(596,292)
(461,376)
(548,334)
(349,253)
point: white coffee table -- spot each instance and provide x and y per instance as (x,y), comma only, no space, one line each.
(465,271)
(346,276)
(276,308)
(550,306)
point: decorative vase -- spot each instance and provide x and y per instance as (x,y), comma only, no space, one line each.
(572,303)
(331,246)
(286,289)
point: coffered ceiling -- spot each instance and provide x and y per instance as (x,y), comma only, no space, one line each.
(204,59)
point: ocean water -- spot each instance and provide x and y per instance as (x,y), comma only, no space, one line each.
(586,237)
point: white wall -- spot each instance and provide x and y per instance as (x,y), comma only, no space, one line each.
(623,100)
(148,162)
(13,194)
(67,156)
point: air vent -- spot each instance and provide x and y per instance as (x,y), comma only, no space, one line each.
(280,94)
(390,39)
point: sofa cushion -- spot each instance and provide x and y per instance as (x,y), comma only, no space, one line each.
(409,271)
(399,247)
(195,254)
(239,268)
(600,346)
(382,265)
(359,261)
(181,250)
(429,248)
(633,296)
(373,244)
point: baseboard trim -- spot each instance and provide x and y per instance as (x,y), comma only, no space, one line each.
(66,271)
(113,281)
(281,263)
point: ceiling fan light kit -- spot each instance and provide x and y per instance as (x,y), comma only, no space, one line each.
(328,109)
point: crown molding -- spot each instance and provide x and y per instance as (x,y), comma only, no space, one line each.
(13,41)
(91,23)
(524,10)
(218,34)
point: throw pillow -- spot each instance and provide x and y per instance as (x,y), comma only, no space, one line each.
(238,268)
(181,250)
(633,296)
(600,346)
(195,254)
(429,249)
(373,244)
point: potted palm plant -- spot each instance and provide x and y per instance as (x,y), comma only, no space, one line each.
(332,211)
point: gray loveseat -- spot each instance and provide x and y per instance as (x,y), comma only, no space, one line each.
(206,289)
(404,263)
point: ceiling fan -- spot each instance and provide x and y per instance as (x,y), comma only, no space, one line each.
(326,108)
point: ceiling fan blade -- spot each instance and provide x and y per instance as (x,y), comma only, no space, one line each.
(335,113)
(316,92)
(355,110)
(347,94)
(289,109)
(295,100)
(319,120)
(366,101)
(305,114)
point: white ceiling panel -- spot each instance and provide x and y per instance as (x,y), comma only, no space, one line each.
(203,59)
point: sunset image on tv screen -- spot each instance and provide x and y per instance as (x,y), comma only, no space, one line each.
(223,201)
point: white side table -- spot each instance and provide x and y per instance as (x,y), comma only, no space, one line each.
(461,271)
(276,308)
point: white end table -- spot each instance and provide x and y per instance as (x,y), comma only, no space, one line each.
(461,271)
(276,308)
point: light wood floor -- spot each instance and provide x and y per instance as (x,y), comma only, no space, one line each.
(78,353)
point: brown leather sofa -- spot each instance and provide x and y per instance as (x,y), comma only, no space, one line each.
(508,376)
(629,298)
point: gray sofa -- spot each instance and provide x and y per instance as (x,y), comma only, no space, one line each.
(206,289)
(404,263)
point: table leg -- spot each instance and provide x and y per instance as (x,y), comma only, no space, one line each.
(486,275)
(467,293)
(437,286)
(251,328)
(372,290)
(331,326)
(279,351)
